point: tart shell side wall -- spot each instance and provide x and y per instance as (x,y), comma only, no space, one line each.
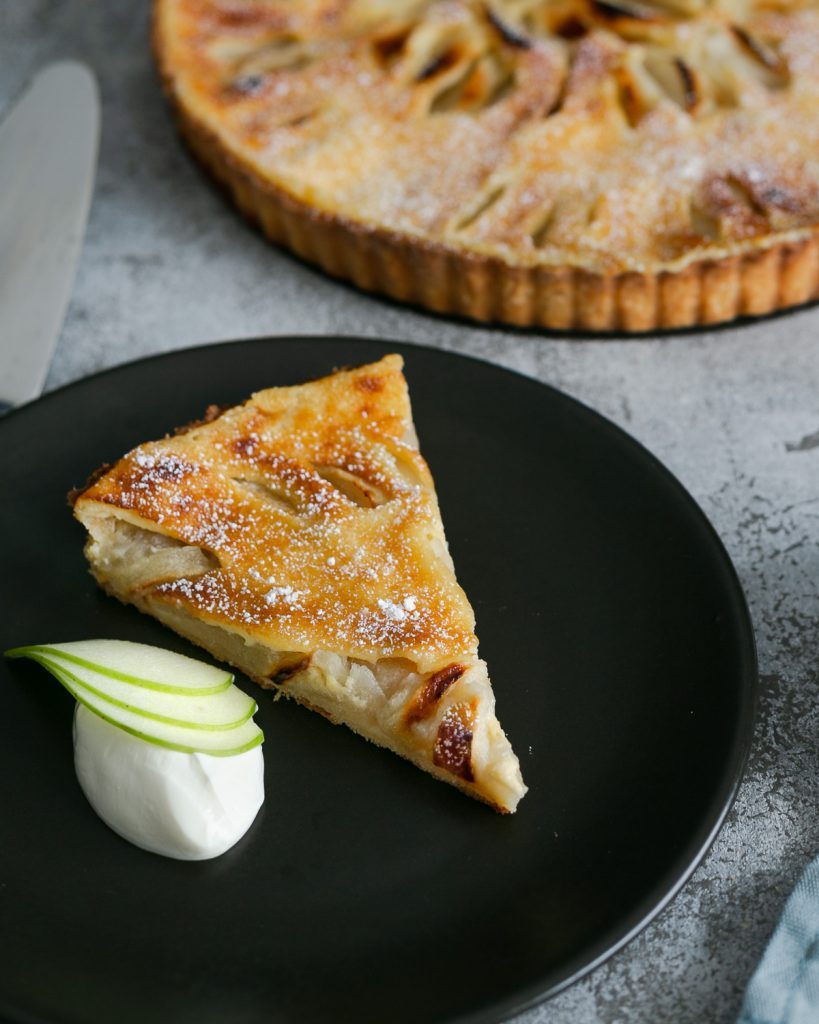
(775,276)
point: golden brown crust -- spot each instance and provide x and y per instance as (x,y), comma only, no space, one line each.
(76,492)
(318,518)
(741,239)
(298,538)
(212,413)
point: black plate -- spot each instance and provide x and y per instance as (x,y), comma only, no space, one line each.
(623,663)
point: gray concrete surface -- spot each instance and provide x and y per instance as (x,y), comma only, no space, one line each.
(734,413)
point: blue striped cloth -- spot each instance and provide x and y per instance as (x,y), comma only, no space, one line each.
(785,986)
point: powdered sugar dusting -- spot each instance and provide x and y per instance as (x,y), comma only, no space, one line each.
(299,563)
(398,612)
(283,595)
(588,149)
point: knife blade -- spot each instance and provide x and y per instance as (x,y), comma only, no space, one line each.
(48,155)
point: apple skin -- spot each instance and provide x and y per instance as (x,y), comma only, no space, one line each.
(218,742)
(185,787)
(223,742)
(224,709)
(141,664)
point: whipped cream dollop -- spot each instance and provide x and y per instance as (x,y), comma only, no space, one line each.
(186,806)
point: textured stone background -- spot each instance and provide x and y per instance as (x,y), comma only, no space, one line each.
(734,413)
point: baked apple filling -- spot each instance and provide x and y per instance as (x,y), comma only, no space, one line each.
(298,538)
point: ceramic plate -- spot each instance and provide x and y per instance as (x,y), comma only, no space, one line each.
(623,663)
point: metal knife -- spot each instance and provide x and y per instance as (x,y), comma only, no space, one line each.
(48,155)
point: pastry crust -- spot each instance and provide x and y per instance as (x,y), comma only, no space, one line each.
(298,537)
(573,164)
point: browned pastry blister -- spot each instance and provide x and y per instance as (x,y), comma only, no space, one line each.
(298,537)
(572,164)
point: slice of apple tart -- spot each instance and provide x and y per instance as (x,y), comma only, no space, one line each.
(298,537)
(596,164)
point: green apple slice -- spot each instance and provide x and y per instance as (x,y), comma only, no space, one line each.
(219,742)
(222,710)
(147,666)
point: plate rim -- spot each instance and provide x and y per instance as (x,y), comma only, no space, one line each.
(693,854)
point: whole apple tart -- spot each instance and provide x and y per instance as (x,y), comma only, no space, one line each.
(570,164)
